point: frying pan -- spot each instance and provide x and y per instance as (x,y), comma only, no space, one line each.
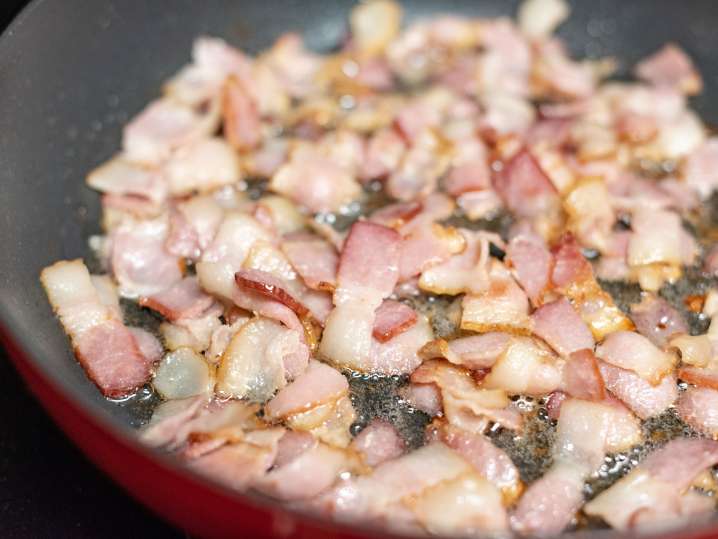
(72,72)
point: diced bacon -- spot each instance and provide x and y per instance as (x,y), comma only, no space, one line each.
(383,154)
(115,208)
(368,272)
(698,406)
(424,397)
(525,367)
(554,402)
(292,445)
(413,119)
(539,18)
(502,306)
(560,75)
(570,265)
(202,166)
(315,182)
(699,169)
(489,461)
(550,503)
(161,127)
(260,359)
(632,351)
(226,253)
(464,272)
(185,299)
(400,354)
(656,485)
(419,171)
(591,216)
(213,61)
(314,259)
(237,466)
(194,333)
(140,262)
(582,377)
(561,327)
(106,349)
(672,68)
(482,509)
(193,225)
(506,65)
(644,399)
(374,496)
(295,66)
(242,126)
(474,352)
(392,318)
(586,431)
(266,160)
(396,215)
(524,187)
(378,442)
(120,177)
(270,286)
(307,475)
(167,425)
(702,377)
(427,246)
(465,404)
(319,384)
(149,346)
(532,263)
(657,320)
(480,204)
(659,238)
(470,176)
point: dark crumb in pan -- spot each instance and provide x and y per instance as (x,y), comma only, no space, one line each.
(375,396)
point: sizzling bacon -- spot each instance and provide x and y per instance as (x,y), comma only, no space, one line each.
(655,486)
(474,352)
(632,351)
(242,126)
(392,318)
(657,320)
(378,442)
(314,259)
(644,399)
(561,327)
(532,263)
(106,349)
(672,68)
(698,406)
(524,187)
(183,300)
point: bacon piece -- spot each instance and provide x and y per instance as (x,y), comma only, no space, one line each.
(561,327)
(658,238)
(698,406)
(412,119)
(479,204)
(470,176)
(426,246)
(140,262)
(702,377)
(631,351)
(314,259)
(539,18)
(120,177)
(375,496)
(106,349)
(506,65)
(378,442)
(582,378)
(203,166)
(368,272)
(699,168)
(488,460)
(561,76)
(193,225)
(185,299)
(525,367)
(570,264)
(318,385)
(270,286)
(392,318)
(554,402)
(397,214)
(242,126)
(657,320)
(474,352)
(419,171)
(168,422)
(315,182)
(161,127)
(670,67)
(524,187)
(260,359)
(644,399)
(501,306)
(465,404)
(149,345)
(656,485)
(586,431)
(424,397)
(532,263)
(307,475)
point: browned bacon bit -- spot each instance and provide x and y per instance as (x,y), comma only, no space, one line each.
(694,302)
(270,286)
(392,318)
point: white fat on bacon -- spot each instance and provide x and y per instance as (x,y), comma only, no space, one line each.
(561,327)
(651,493)
(632,351)
(644,400)
(118,176)
(378,442)
(473,352)
(202,166)
(183,373)
(105,348)
(260,359)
